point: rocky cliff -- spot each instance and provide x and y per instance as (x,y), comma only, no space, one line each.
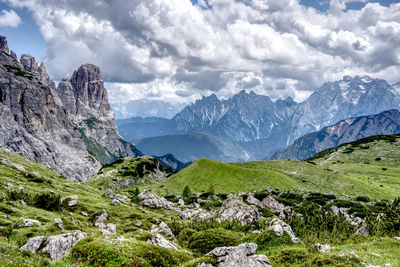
(33,124)
(85,99)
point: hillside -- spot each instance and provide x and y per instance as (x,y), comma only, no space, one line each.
(248,176)
(345,131)
(191,146)
(137,228)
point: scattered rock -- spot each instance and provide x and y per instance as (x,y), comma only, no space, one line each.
(138,224)
(280,227)
(163,229)
(396,238)
(110,229)
(59,223)
(252,200)
(362,231)
(72,200)
(33,244)
(242,255)
(197,215)
(109,193)
(115,202)
(13,165)
(84,213)
(322,248)
(59,245)
(23,203)
(99,219)
(271,203)
(8,186)
(56,246)
(149,200)
(372,265)
(235,209)
(20,188)
(160,241)
(29,223)
(206,265)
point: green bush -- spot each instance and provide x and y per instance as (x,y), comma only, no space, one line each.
(90,252)
(47,201)
(18,195)
(185,235)
(363,199)
(186,192)
(261,195)
(267,239)
(205,241)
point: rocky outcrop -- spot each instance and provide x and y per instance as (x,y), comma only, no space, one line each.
(362,231)
(4,44)
(29,223)
(59,245)
(149,200)
(55,246)
(242,255)
(197,215)
(110,229)
(235,209)
(33,124)
(59,224)
(160,241)
(100,218)
(271,203)
(85,99)
(279,227)
(71,200)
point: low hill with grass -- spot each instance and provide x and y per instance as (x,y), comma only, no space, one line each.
(248,176)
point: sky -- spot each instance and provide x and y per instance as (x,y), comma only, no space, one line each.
(180,50)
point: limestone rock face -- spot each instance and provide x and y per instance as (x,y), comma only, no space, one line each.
(160,241)
(242,255)
(29,62)
(149,200)
(59,245)
(33,244)
(280,227)
(4,44)
(271,203)
(235,209)
(56,246)
(110,229)
(33,124)
(85,99)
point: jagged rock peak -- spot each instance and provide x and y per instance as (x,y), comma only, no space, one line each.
(4,44)
(30,63)
(13,55)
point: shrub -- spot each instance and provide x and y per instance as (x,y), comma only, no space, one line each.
(185,235)
(261,195)
(18,195)
(363,199)
(267,239)
(186,192)
(205,241)
(47,201)
(91,252)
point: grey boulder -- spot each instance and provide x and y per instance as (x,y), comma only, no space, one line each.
(235,209)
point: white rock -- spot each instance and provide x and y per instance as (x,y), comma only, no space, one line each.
(322,248)
(101,218)
(73,200)
(242,255)
(280,227)
(149,200)
(252,200)
(235,209)
(396,238)
(160,241)
(59,245)
(30,223)
(110,229)
(8,186)
(115,202)
(33,244)
(271,203)
(59,223)
(163,229)
(362,231)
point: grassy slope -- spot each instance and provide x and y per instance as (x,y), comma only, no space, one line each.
(124,216)
(248,176)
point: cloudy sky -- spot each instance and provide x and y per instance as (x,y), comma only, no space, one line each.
(179,50)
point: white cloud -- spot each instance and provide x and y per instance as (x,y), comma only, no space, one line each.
(9,19)
(176,51)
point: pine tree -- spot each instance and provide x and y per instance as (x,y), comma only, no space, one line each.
(186,192)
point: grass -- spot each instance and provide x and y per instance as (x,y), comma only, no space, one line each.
(249,176)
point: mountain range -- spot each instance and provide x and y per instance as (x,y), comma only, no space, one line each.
(260,126)
(145,108)
(345,131)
